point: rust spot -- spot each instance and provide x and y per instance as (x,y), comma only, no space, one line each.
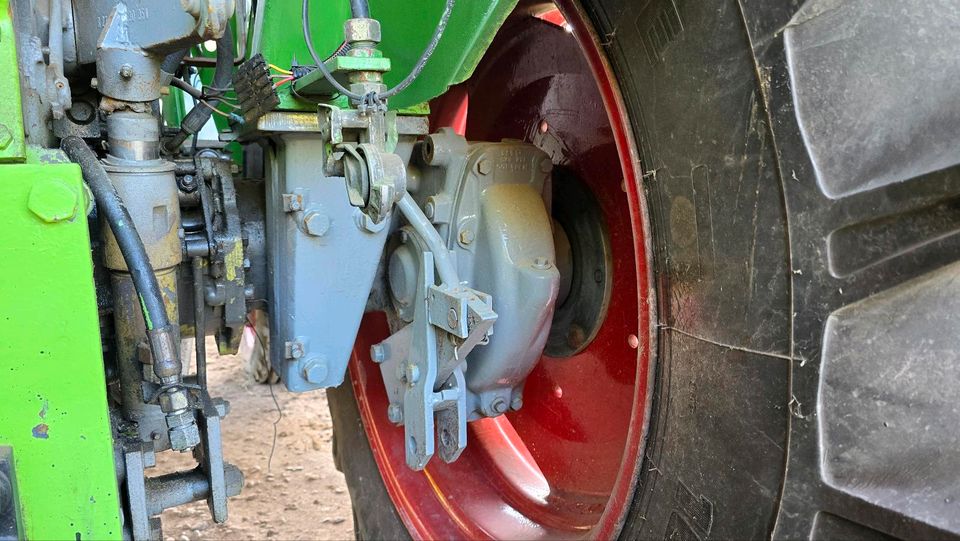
(40,431)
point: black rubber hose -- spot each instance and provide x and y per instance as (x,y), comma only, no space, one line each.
(172,62)
(360,9)
(187,87)
(222,76)
(111,209)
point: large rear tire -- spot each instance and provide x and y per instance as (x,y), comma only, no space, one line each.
(776,339)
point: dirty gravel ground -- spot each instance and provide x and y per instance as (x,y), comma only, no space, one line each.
(301,495)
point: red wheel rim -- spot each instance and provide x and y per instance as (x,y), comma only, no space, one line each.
(565,465)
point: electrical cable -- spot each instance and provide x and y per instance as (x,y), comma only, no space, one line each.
(376,98)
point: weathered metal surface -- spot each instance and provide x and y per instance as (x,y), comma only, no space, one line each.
(54,410)
(12,146)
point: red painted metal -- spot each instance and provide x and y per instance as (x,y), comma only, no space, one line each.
(565,465)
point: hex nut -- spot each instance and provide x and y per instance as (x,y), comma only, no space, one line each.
(53,201)
(377,353)
(412,374)
(395,414)
(484,166)
(181,418)
(466,236)
(362,29)
(174,400)
(126,71)
(499,405)
(184,437)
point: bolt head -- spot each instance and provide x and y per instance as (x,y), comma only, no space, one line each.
(516,403)
(429,209)
(296,350)
(315,370)
(452,318)
(484,167)
(53,201)
(126,71)
(466,236)
(6,136)
(316,223)
(377,353)
(412,374)
(395,414)
(498,406)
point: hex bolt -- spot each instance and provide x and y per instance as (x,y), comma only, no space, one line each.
(395,414)
(541,263)
(484,167)
(81,112)
(412,374)
(429,209)
(377,353)
(499,405)
(294,349)
(452,318)
(316,223)
(6,136)
(315,370)
(126,71)
(466,236)
(516,403)
(53,201)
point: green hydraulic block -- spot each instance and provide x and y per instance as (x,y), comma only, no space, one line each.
(53,415)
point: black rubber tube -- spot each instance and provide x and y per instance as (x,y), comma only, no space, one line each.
(187,87)
(222,76)
(360,9)
(172,62)
(111,209)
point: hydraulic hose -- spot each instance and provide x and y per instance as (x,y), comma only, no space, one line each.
(159,330)
(172,62)
(360,9)
(115,213)
(222,76)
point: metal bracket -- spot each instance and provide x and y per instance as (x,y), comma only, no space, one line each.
(423,365)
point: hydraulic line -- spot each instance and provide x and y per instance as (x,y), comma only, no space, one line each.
(112,209)
(407,81)
(360,9)
(421,224)
(198,116)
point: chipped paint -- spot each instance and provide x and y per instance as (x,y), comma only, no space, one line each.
(41,431)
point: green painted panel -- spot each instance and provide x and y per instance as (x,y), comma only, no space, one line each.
(54,409)
(406,28)
(12,147)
